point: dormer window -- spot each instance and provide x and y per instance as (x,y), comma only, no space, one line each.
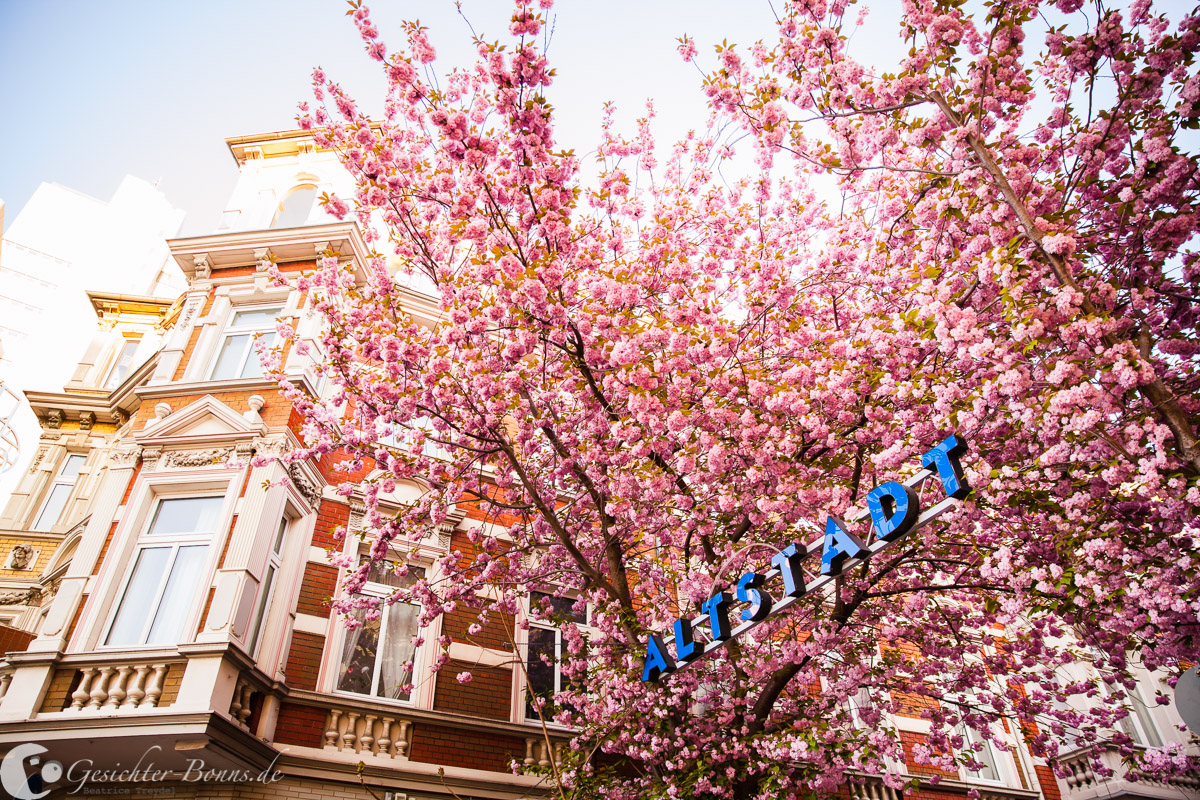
(236,357)
(296,207)
(120,367)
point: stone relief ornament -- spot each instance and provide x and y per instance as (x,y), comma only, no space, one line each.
(25,597)
(54,418)
(150,456)
(21,557)
(86,420)
(37,459)
(269,446)
(306,487)
(196,458)
(125,457)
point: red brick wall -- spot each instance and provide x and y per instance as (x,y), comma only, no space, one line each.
(320,581)
(330,516)
(910,740)
(304,660)
(487,695)
(432,744)
(495,635)
(13,640)
(1047,782)
(303,726)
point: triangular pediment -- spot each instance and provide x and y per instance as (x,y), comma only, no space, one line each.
(204,420)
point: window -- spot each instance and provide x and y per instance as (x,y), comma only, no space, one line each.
(544,653)
(982,752)
(268,587)
(378,657)
(167,574)
(120,367)
(295,208)
(398,436)
(60,491)
(236,357)
(1140,724)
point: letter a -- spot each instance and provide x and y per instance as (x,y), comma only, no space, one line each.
(658,663)
(840,544)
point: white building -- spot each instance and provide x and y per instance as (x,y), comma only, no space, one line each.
(60,244)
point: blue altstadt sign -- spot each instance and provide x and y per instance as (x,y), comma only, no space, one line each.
(894,509)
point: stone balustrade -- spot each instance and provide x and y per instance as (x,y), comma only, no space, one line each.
(119,686)
(1103,771)
(537,752)
(366,732)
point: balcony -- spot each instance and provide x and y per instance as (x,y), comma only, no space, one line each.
(1084,781)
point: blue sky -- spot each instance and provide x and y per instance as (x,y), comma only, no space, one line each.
(94,90)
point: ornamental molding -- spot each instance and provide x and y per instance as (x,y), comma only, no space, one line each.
(197,458)
(271,446)
(125,457)
(308,490)
(24,597)
(150,457)
(37,459)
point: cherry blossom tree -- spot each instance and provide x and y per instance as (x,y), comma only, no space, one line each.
(645,378)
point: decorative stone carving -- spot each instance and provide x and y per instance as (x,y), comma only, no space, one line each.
(196,458)
(120,417)
(162,410)
(271,446)
(443,535)
(25,597)
(256,402)
(21,557)
(86,420)
(263,260)
(306,487)
(37,459)
(54,418)
(203,268)
(150,456)
(125,457)
(357,512)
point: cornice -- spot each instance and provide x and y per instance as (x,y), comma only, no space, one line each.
(237,248)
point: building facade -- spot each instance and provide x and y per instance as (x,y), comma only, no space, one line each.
(172,579)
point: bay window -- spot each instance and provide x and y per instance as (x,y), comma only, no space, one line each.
(168,573)
(236,356)
(378,657)
(60,492)
(274,562)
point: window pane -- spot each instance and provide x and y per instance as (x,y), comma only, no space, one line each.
(385,572)
(985,756)
(396,667)
(561,609)
(357,667)
(257,317)
(229,361)
(186,515)
(540,675)
(121,367)
(177,596)
(1152,739)
(278,546)
(71,467)
(139,596)
(264,602)
(53,509)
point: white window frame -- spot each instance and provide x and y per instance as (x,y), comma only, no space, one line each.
(59,480)
(126,341)
(270,586)
(381,590)
(523,698)
(230,330)
(175,541)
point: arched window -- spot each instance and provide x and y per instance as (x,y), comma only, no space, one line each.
(295,208)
